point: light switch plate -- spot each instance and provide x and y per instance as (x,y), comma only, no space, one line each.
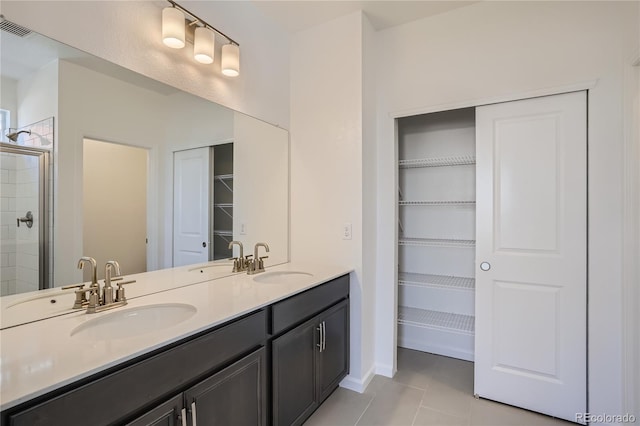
(346,231)
(243,229)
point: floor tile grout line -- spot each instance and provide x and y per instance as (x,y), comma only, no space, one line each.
(415,416)
(365,409)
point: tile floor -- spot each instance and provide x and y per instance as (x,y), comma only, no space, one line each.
(427,390)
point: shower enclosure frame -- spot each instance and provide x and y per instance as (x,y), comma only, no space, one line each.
(43,205)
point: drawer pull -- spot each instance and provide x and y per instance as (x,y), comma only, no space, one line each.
(194,422)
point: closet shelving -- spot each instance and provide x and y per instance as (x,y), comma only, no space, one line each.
(431,280)
(456,160)
(222,200)
(435,242)
(436,200)
(440,320)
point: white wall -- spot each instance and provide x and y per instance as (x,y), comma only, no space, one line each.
(260,190)
(128,33)
(494,49)
(9,100)
(38,95)
(327,164)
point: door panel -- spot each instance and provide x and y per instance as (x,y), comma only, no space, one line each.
(294,374)
(526,183)
(531,228)
(334,356)
(234,396)
(191,206)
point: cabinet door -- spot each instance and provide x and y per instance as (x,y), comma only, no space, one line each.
(166,414)
(333,363)
(233,396)
(294,374)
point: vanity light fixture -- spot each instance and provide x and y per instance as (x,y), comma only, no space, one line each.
(174,25)
(173,28)
(204,45)
(230,60)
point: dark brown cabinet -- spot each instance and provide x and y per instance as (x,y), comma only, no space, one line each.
(308,363)
(166,414)
(236,395)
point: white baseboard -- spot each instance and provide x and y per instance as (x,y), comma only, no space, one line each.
(358,384)
(385,370)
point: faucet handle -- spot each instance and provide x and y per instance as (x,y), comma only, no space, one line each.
(120,297)
(238,264)
(80,292)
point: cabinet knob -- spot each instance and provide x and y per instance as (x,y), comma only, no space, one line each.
(485,266)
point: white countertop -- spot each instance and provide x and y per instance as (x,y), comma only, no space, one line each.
(55,301)
(41,356)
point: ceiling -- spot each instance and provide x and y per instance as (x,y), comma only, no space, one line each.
(298,15)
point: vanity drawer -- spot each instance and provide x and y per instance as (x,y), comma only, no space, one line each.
(108,399)
(292,311)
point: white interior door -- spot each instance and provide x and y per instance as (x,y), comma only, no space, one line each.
(190,206)
(531,226)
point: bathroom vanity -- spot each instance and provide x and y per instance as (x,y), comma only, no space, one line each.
(273,350)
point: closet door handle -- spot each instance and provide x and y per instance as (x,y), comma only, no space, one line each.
(485,266)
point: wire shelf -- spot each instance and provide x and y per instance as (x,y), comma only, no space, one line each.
(223,177)
(436,319)
(442,281)
(223,180)
(436,203)
(223,233)
(224,205)
(458,160)
(431,242)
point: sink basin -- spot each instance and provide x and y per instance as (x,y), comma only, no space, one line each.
(124,323)
(47,303)
(216,265)
(281,277)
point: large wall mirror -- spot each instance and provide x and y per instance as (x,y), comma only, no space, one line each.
(137,171)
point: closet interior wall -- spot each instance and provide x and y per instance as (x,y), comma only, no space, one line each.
(436,238)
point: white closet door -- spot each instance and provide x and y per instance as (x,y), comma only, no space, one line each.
(531,225)
(191,206)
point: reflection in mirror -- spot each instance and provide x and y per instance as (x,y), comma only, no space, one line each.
(104,114)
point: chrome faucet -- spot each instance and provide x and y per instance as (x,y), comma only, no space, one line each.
(94,268)
(107,290)
(100,301)
(239,263)
(257,264)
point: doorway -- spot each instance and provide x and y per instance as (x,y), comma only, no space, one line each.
(509,232)
(202,204)
(115,204)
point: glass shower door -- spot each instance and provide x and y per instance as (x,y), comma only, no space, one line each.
(24,219)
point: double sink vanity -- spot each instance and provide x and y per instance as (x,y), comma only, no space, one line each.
(243,349)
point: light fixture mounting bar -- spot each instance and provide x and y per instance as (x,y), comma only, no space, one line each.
(203,22)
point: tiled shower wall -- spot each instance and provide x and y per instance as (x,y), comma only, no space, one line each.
(8,224)
(19,252)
